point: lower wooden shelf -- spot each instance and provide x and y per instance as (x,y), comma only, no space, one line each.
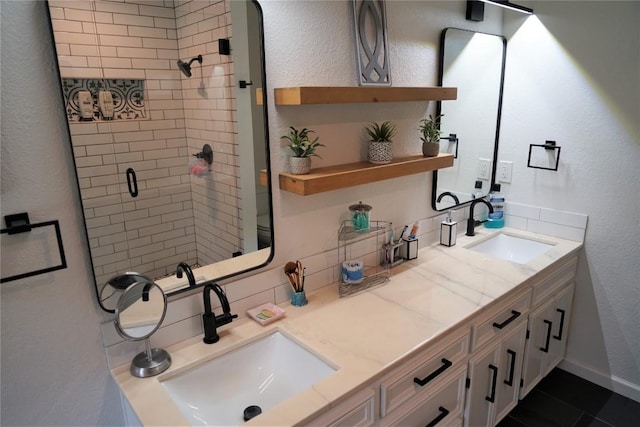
(348,175)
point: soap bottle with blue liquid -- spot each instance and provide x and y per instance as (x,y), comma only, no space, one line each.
(496,218)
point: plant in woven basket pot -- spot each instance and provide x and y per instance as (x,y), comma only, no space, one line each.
(380,149)
(430,135)
(303,149)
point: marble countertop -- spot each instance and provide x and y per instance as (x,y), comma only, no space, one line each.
(424,299)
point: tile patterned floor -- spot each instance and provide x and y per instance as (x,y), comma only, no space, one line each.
(565,400)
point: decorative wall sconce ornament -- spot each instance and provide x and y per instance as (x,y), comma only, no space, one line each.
(547,159)
(370,23)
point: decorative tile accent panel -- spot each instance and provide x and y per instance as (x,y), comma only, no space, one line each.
(128,97)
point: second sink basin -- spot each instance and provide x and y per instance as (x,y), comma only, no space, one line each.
(511,248)
(262,373)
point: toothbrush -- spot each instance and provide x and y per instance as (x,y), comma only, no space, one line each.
(404,230)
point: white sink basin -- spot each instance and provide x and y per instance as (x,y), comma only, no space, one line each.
(512,248)
(263,373)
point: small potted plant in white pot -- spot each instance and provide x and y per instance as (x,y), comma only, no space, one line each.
(303,148)
(430,135)
(380,149)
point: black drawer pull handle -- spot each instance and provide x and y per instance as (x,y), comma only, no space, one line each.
(512,368)
(445,365)
(514,316)
(545,349)
(132,182)
(492,397)
(559,336)
(440,417)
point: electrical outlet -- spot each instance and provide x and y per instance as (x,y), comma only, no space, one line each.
(504,171)
(484,169)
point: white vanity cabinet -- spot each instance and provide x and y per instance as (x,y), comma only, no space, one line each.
(495,363)
(428,389)
(357,411)
(548,322)
(442,405)
(548,325)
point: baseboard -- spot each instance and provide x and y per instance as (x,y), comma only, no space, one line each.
(610,382)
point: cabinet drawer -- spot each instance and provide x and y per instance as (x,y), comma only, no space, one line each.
(358,410)
(549,283)
(423,372)
(489,325)
(443,407)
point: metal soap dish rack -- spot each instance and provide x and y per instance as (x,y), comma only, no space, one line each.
(373,274)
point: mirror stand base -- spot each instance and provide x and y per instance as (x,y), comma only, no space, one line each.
(144,366)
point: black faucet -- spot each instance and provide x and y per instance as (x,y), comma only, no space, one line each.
(450,194)
(209,320)
(471,222)
(184,267)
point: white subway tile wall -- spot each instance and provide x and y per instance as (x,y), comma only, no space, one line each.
(176,217)
(566,225)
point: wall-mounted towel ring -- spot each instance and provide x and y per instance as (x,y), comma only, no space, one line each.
(18,224)
(452,138)
(549,160)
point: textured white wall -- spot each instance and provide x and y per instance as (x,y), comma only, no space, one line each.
(573,75)
(53,365)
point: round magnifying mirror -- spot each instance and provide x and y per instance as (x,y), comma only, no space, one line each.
(140,311)
(112,290)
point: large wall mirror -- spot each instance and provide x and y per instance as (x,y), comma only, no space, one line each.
(168,125)
(474,63)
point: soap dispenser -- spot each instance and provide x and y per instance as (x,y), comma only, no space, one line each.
(448,230)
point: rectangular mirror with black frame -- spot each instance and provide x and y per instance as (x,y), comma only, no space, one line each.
(168,142)
(473,62)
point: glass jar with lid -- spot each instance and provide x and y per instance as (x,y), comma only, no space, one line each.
(360,216)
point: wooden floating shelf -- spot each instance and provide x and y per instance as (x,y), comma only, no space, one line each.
(263,178)
(348,175)
(306,95)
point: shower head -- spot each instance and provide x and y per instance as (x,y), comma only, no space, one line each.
(185,67)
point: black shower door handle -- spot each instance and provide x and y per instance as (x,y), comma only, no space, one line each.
(132,182)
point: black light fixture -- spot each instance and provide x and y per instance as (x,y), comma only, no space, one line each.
(224,47)
(475,8)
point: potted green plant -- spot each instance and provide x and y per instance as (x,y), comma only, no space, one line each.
(380,149)
(303,149)
(430,135)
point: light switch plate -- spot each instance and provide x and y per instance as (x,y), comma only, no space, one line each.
(484,169)
(505,169)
